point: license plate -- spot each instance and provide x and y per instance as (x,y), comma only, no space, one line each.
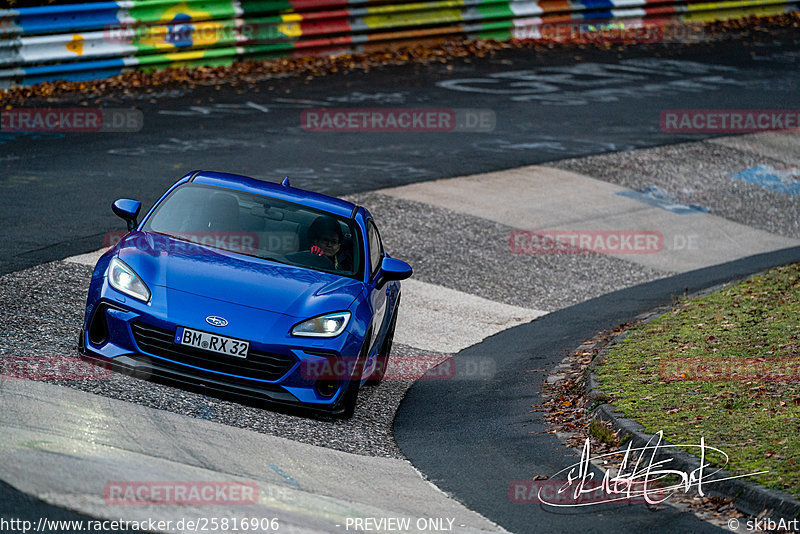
(212,342)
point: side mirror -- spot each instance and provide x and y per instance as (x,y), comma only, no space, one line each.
(127,209)
(393,269)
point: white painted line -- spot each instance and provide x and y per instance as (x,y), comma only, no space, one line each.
(72,448)
(90,258)
(783,146)
(433,317)
(440,319)
(544,198)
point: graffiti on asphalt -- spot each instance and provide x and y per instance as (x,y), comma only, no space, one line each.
(340,172)
(550,145)
(249,107)
(173,145)
(585,83)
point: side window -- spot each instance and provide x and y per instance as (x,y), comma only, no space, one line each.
(375,247)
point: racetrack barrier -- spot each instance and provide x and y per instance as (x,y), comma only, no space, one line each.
(81,41)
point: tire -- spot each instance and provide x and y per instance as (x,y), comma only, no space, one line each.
(346,406)
(383,355)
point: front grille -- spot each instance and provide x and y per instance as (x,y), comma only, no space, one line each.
(257,365)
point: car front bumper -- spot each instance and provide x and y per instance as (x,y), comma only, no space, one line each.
(135,338)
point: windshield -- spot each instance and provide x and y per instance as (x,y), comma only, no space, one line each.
(259,226)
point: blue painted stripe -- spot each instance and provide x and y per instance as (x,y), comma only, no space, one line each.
(604,14)
(68,18)
(655,196)
(783,182)
(286,477)
(75,67)
(66,8)
(73,72)
(83,76)
(597,4)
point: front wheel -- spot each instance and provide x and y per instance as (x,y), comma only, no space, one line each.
(347,404)
(383,355)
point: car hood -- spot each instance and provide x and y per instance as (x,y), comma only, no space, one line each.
(230,277)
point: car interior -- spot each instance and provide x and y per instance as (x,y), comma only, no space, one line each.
(279,228)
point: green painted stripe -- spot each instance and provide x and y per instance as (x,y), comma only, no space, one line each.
(490,11)
(497,35)
(268,48)
(252,7)
(496,25)
(149,11)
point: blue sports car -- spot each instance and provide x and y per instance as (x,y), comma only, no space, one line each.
(245,286)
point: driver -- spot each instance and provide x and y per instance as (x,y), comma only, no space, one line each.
(326,237)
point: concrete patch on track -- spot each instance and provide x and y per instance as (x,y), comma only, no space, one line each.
(89,259)
(544,198)
(42,320)
(426,308)
(468,285)
(781,146)
(471,254)
(68,452)
(702,173)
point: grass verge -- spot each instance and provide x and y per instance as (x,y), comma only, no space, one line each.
(726,367)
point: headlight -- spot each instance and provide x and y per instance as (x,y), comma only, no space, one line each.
(330,325)
(124,279)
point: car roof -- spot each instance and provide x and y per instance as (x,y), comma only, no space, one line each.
(311,199)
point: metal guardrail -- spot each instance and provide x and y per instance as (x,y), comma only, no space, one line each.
(93,40)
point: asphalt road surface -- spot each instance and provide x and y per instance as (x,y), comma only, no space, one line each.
(55,189)
(476,438)
(473,435)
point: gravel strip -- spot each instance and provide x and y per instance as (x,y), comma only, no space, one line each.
(44,309)
(472,255)
(699,173)
(783,146)
(44,305)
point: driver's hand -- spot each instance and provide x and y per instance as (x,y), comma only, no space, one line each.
(316,250)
